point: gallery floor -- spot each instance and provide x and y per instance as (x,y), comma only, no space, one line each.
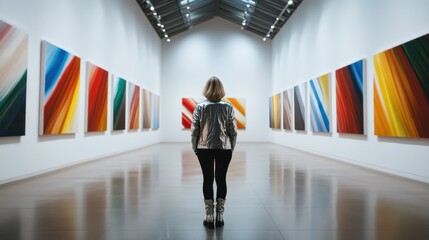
(273,193)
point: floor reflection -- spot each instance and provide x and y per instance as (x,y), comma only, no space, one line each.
(273,192)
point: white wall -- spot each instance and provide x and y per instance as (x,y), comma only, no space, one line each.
(113,34)
(240,59)
(323,36)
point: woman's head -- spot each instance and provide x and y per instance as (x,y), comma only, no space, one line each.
(213,90)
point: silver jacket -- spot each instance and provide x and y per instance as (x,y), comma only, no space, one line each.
(214,126)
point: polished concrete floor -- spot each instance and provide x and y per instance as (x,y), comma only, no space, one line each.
(273,193)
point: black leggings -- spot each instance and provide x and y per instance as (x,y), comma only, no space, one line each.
(214,163)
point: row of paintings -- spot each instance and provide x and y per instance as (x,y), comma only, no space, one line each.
(189,104)
(401,96)
(59,92)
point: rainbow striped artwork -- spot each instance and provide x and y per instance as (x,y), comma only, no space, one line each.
(155,111)
(59,90)
(134,105)
(349,90)
(239,105)
(320,107)
(97,82)
(401,90)
(300,105)
(147,109)
(188,106)
(119,86)
(287,109)
(275,111)
(13,80)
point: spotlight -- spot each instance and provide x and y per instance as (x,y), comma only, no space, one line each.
(168,40)
(290,2)
(264,39)
(152,8)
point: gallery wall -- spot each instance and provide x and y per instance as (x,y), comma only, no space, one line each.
(112,34)
(323,36)
(240,59)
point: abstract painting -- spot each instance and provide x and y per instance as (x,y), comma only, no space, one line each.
(320,107)
(147,109)
(239,105)
(119,86)
(97,79)
(275,111)
(60,77)
(13,80)
(188,107)
(349,90)
(155,111)
(287,109)
(401,90)
(134,105)
(300,106)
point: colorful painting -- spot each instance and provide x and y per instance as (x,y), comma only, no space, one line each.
(188,106)
(147,109)
(401,90)
(275,111)
(60,79)
(239,105)
(134,107)
(287,109)
(13,80)
(300,106)
(349,90)
(155,111)
(119,86)
(97,79)
(320,107)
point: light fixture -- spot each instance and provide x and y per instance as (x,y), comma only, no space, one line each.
(188,7)
(268,35)
(168,40)
(152,8)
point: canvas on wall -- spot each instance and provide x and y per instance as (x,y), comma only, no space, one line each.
(60,77)
(349,98)
(320,107)
(401,90)
(188,107)
(134,105)
(300,106)
(275,111)
(97,91)
(119,86)
(239,105)
(147,109)
(155,111)
(287,109)
(13,80)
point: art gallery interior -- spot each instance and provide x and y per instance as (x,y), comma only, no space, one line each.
(145,183)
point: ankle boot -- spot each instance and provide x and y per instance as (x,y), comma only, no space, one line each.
(209,220)
(220,208)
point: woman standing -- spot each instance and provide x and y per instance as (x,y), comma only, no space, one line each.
(213,140)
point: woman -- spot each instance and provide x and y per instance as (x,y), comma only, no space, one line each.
(213,140)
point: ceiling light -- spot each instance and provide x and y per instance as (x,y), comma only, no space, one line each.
(163,30)
(264,39)
(187,14)
(188,7)
(152,8)
(155,13)
(168,40)
(290,2)
(248,5)
(244,23)
(166,35)
(162,26)
(272,26)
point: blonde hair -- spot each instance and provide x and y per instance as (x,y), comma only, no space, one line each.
(213,90)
